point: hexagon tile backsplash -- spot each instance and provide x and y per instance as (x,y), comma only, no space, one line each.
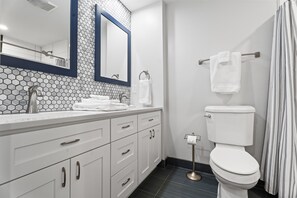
(60,92)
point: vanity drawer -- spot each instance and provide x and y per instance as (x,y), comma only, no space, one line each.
(123,152)
(148,120)
(123,126)
(27,152)
(124,182)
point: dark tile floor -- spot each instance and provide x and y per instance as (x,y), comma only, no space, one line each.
(171,182)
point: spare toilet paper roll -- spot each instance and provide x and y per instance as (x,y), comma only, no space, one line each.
(191,139)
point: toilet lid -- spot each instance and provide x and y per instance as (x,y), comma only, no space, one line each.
(234,161)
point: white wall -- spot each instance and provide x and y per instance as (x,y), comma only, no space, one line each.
(149,53)
(147,50)
(196,30)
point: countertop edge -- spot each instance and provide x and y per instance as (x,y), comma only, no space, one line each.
(32,125)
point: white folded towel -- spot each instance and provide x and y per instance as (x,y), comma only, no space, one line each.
(224,57)
(93,100)
(226,77)
(99,97)
(145,92)
(86,106)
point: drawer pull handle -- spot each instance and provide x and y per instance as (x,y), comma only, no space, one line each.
(125,127)
(123,184)
(124,153)
(78,172)
(151,120)
(64,177)
(70,142)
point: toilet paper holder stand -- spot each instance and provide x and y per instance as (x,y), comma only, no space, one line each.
(198,137)
(193,175)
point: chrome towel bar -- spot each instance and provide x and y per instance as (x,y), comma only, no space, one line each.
(256,54)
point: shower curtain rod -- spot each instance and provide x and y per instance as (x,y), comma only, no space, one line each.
(256,54)
(40,52)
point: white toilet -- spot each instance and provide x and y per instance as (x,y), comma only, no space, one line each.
(231,129)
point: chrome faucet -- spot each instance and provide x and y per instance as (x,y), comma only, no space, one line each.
(121,96)
(32,103)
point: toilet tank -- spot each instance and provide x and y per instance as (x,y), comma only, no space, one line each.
(233,125)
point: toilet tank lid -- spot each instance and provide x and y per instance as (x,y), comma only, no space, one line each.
(230,109)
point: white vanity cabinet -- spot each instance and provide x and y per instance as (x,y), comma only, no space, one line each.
(149,144)
(82,154)
(97,156)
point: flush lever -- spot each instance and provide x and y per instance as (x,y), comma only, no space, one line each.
(207,115)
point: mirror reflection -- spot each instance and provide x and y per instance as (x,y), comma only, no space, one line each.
(114,43)
(112,50)
(36,30)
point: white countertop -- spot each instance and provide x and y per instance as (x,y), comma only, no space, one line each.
(16,123)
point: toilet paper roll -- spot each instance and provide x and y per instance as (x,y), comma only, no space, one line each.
(191,139)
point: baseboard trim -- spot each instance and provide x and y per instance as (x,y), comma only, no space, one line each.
(186,164)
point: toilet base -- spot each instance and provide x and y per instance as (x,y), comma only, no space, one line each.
(227,191)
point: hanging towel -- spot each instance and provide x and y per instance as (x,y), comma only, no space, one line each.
(145,92)
(224,57)
(225,77)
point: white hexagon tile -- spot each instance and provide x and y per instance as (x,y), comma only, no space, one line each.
(60,92)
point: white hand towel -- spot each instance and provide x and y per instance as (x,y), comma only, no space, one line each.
(225,78)
(99,97)
(145,92)
(224,57)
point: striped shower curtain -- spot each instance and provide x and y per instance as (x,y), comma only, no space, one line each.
(279,159)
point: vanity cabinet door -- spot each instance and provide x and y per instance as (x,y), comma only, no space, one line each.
(51,182)
(155,153)
(149,151)
(144,143)
(90,174)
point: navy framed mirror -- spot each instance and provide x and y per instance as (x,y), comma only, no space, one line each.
(112,50)
(39,35)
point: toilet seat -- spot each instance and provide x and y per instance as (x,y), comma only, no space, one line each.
(235,179)
(235,166)
(234,160)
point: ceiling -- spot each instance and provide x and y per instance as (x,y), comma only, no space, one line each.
(133,5)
